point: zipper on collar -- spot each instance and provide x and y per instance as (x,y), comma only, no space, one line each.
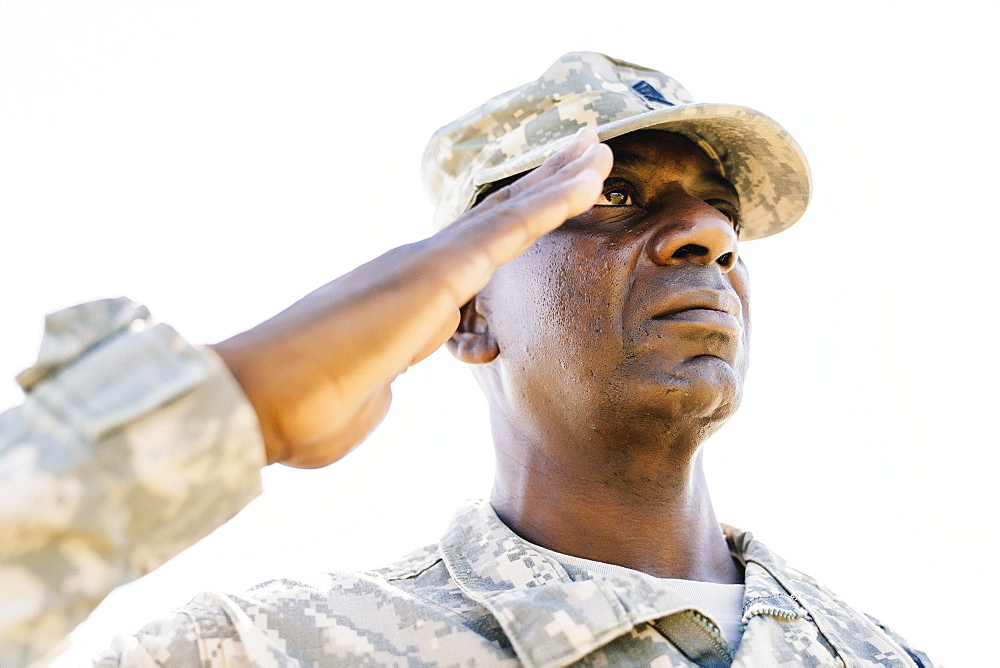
(697,638)
(778,605)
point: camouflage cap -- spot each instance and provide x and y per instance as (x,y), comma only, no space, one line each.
(514,132)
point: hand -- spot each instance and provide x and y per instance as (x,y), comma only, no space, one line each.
(318,373)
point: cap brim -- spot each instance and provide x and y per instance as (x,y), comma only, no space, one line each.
(758,156)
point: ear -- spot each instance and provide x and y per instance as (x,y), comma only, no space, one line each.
(472,342)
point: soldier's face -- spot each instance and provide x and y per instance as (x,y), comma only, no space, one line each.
(636,310)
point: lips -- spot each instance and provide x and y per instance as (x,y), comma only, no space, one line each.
(708,308)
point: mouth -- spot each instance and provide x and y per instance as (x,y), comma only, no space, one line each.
(704,317)
(706,308)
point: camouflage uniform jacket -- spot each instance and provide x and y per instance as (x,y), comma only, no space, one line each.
(484,597)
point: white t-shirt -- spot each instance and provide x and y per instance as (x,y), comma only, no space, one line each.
(722,603)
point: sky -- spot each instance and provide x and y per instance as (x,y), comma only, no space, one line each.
(217,161)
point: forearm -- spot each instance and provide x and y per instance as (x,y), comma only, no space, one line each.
(130,446)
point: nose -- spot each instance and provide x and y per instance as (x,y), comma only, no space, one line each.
(691,230)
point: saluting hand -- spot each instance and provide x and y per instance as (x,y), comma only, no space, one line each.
(318,373)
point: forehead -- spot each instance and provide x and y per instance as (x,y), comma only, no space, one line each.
(658,154)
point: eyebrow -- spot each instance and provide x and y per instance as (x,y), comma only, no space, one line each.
(626,159)
(635,161)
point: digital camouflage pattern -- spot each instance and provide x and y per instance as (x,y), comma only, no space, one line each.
(515,132)
(130,445)
(484,597)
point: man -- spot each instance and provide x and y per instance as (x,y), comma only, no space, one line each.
(609,350)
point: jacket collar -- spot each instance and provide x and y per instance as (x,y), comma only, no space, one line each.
(553,620)
(549,618)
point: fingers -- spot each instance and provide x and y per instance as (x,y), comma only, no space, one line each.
(574,185)
(562,159)
(510,220)
(566,160)
(564,186)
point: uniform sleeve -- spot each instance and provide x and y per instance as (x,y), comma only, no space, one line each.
(131,445)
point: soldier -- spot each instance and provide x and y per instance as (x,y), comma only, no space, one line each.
(609,347)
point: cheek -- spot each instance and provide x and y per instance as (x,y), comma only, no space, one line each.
(585,299)
(567,295)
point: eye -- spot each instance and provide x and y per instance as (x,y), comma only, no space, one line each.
(615,194)
(727,209)
(614,198)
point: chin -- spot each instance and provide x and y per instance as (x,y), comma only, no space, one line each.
(703,388)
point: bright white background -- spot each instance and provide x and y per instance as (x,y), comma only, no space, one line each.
(217,160)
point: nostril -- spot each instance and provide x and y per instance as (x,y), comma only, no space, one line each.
(689,250)
(726,260)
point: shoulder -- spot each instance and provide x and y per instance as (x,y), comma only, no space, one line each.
(852,633)
(405,572)
(419,586)
(400,613)
(291,617)
(411,565)
(919,658)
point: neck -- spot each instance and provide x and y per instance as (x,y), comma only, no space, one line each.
(651,513)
